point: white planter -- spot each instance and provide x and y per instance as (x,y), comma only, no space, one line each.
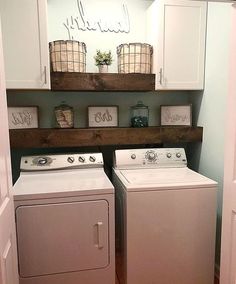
(103,68)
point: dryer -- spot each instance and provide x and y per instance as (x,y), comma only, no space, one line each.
(166,217)
(64,209)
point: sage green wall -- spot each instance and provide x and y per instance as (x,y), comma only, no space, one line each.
(80,101)
(210,105)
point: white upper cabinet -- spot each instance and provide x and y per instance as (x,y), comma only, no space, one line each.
(177,31)
(25,43)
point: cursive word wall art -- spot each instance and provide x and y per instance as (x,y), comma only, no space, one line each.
(103,116)
(86,22)
(180,115)
(23,117)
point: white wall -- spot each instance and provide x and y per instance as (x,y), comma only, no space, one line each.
(104,10)
(208,158)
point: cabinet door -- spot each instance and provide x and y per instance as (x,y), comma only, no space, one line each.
(178,30)
(25,44)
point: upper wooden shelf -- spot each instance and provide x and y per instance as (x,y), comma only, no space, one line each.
(44,138)
(71,81)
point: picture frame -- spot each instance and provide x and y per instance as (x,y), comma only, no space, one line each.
(103,116)
(176,115)
(23,117)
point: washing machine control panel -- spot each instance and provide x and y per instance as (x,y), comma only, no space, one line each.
(157,157)
(65,161)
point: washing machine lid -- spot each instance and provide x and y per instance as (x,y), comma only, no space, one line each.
(165,178)
(63,183)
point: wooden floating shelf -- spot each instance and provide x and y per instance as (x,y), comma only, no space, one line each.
(71,81)
(46,138)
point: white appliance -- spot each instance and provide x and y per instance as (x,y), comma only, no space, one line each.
(64,209)
(166,217)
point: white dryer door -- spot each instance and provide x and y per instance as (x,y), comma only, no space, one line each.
(64,237)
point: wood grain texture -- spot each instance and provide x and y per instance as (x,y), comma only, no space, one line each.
(46,138)
(70,81)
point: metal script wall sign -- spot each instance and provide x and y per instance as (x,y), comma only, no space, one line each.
(176,115)
(102,116)
(23,117)
(84,22)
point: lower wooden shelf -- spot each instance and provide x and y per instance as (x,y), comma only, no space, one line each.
(46,138)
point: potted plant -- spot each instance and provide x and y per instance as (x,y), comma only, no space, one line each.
(103,60)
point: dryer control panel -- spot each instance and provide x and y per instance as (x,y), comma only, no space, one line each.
(146,158)
(65,161)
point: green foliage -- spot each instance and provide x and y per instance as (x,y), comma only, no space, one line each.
(103,58)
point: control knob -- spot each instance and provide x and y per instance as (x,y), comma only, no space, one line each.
(178,155)
(92,159)
(168,155)
(70,160)
(133,156)
(81,159)
(151,156)
(42,161)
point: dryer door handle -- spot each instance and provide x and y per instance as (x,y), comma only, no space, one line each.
(100,235)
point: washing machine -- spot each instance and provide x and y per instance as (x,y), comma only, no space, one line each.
(64,210)
(165,218)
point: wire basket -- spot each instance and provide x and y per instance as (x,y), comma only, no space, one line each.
(135,58)
(67,56)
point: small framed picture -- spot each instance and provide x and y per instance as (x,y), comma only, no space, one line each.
(102,116)
(23,117)
(180,115)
